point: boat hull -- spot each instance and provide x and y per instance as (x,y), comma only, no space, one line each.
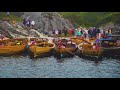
(87,50)
(111,51)
(36,51)
(65,50)
(9,50)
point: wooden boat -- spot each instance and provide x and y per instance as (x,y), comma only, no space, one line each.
(85,49)
(41,48)
(110,47)
(65,48)
(106,47)
(77,40)
(12,49)
(12,46)
(81,40)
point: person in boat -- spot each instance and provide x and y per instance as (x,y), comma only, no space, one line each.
(1,44)
(41,45)
(60,44)
(118,43)
(33,42)
(105,44)
(95,46)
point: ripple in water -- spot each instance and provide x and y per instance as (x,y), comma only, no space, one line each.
(50,67)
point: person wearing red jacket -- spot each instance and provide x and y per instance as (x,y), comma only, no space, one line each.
(70,32)
(60,44)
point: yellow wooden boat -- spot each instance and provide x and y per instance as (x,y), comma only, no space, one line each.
(86,49)
(41,48)
(81,40)
(12,46)
(8,50)
(77,40)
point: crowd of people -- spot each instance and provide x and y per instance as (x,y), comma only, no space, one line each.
(91,32)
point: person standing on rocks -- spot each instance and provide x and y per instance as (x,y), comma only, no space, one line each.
(32,24)
(28,23)
(8,13)
(24,22)
(65,31)
(53,32)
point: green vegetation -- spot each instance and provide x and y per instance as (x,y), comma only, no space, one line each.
(89,19)
(10,18)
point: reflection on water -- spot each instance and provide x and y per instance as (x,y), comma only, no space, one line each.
(50,67)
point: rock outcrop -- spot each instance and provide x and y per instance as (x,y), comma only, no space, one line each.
(46,21)
(12,32)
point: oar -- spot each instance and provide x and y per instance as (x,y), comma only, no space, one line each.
(71,53)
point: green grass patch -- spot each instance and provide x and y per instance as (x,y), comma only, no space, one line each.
(12,17)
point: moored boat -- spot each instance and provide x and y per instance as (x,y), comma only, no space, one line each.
(10,48)
(101,48)
(41,48)
(65,47)
(85,49)
(77,40)
(110,47)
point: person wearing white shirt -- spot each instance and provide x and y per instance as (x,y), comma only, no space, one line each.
(33,24)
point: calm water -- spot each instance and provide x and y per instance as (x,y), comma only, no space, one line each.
(50,67)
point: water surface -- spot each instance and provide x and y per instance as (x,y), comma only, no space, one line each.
(50,67)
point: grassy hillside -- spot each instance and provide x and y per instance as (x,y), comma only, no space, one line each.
(10,18)
(89,19)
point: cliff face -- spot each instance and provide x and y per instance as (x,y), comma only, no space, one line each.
(46,21)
